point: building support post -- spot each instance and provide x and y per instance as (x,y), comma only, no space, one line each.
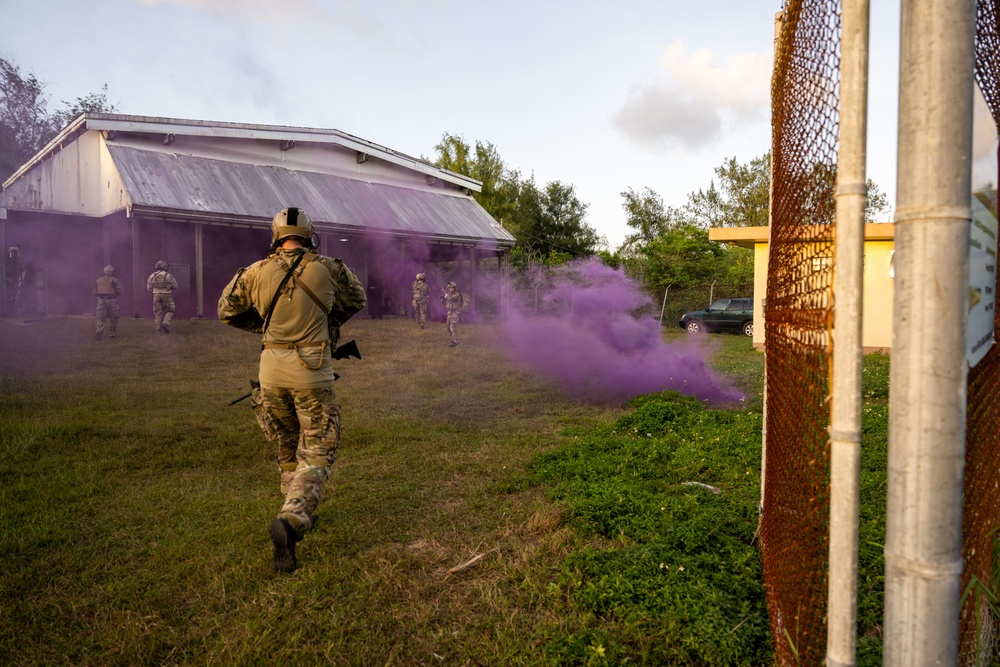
(199,271)
(3,261)
(137,284)
(848,288)
(927,398)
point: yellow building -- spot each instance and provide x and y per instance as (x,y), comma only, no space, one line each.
(878,282)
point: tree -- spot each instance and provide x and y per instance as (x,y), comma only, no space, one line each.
(742,198)
(562,225)
(484,164)
(92,103)
(549,224)
(646,214)
(681,257)
(26,123)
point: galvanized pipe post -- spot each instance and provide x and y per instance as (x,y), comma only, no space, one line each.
(848,287)
(927,398)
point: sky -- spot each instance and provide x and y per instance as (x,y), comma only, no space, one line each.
(603,96)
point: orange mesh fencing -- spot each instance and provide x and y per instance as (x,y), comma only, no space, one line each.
(794,524)
(797,316)
(978,632)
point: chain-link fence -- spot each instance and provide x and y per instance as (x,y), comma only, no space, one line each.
(797,317)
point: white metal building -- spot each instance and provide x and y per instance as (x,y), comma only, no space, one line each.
(130,190)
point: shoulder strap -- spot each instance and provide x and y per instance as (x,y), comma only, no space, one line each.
(277,293)
(301,285)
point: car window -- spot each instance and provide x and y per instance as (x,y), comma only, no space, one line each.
(743,304)
(721,304)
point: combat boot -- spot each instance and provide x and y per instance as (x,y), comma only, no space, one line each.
(284,537)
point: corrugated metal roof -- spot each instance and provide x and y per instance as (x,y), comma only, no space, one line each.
(111,123)
(181,184)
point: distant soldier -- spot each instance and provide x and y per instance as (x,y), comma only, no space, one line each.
(107,289)
(453,303)
(421,292)
(162,284)
(309,296)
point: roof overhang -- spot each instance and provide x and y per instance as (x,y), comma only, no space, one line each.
(748,237)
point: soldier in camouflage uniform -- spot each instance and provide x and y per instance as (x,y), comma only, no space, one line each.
(298,300)
(421,292)
(107,289)
(162,284)
(452,300)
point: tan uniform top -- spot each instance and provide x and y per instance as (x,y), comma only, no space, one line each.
(297,323)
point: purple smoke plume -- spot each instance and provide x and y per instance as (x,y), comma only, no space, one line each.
(596,333)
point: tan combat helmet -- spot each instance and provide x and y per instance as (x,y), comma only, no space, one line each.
(109,270)
(420,276)
(292,221)
(161,265)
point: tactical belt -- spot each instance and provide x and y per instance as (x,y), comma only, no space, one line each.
(292,346)
(296,346)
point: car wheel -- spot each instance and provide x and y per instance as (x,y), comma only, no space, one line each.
(694,326)
(748,329)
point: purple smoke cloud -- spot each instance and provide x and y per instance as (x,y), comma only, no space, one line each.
(596,334)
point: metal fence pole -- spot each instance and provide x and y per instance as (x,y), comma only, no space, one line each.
(923,558)
(664,306)
(845,412)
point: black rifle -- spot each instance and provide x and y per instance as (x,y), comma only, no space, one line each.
(348,349)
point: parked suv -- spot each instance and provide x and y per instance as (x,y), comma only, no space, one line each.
(724,315)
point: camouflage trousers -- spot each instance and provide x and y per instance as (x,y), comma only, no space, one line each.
(108,312)
(420,312)
(453,319)
(304,426)
(163,309)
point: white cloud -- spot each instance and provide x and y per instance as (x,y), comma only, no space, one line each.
(695,100)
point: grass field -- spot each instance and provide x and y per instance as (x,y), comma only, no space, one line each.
(475,516)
